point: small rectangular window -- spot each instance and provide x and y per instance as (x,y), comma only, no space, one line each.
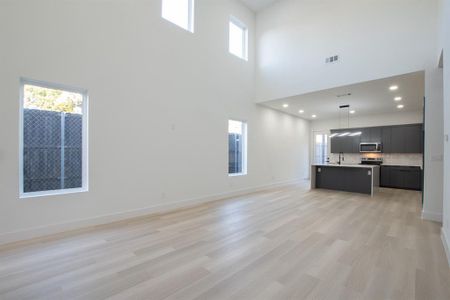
(53,143)
(238,38)
(237,148)
(179,12)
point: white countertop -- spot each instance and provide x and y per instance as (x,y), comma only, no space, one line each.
(346,166)
(402,165)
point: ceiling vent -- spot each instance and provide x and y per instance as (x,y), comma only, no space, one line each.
(332,59)
(344,95)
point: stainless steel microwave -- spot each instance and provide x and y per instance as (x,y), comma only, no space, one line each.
(370,147)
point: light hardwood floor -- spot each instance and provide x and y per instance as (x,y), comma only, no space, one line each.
(287,243)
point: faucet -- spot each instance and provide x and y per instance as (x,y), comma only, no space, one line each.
(341,160)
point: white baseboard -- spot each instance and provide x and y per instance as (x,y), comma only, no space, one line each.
(432,216)
(446,242)
(47,230)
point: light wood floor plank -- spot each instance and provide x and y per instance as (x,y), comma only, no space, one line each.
(286,243)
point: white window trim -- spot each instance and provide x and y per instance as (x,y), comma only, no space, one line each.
(191,17)
(85,139)
(244,149)
(244,28)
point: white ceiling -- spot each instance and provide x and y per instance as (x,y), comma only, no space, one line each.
(257,5)
(371,97)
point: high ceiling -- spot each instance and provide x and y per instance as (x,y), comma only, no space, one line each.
(371,97)
(257,5)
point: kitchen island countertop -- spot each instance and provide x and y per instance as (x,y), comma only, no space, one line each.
(345,165)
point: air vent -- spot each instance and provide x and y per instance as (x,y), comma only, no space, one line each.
(332,59)
(344,95)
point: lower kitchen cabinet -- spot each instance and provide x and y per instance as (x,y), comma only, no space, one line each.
(401,177)
(349,179)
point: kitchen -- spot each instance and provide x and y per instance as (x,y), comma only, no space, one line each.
(366,136)
(385,156)
(386,152)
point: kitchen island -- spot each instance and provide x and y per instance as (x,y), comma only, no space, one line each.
(364,179)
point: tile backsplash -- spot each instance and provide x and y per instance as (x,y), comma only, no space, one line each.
(401,159)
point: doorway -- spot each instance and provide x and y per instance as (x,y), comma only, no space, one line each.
(320,147)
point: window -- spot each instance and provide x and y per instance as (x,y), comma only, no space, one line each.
(238,38)
(179,12)
(237,148)
(53,142)
(320,148)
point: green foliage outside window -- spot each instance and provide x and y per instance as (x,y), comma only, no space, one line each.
(36,97)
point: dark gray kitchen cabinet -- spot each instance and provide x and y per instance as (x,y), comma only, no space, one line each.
(344,144)
(398,140)
(401,177)
(385,177)
(405,139)
(375,134)
(413,139)
(350,144)
(365,135)
(396,179)
(371,135)
(412,179)
(356,180)
(335,142)
(386,141)
(394,139)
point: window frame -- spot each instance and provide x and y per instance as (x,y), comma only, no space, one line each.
(85,157)
(238,23)
(191,13)
(244,148)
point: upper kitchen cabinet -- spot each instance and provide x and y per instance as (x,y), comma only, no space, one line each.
(398,141)
(335,143)
(405,139)
(386,139)
(394,139)
(344,144)
(414,138)
(371,135)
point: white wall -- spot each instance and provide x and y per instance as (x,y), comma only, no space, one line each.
(434,146)
(375,39)
(160,98)
(446,45)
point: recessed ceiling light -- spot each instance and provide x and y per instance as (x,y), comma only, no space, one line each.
(313,116)
(400,106)
(393,87)
(301,111)
(398,98)
(353,111)
(285,105)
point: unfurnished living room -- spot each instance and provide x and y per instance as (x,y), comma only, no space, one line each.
(225,149)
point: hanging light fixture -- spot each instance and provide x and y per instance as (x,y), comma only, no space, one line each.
(344,111)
